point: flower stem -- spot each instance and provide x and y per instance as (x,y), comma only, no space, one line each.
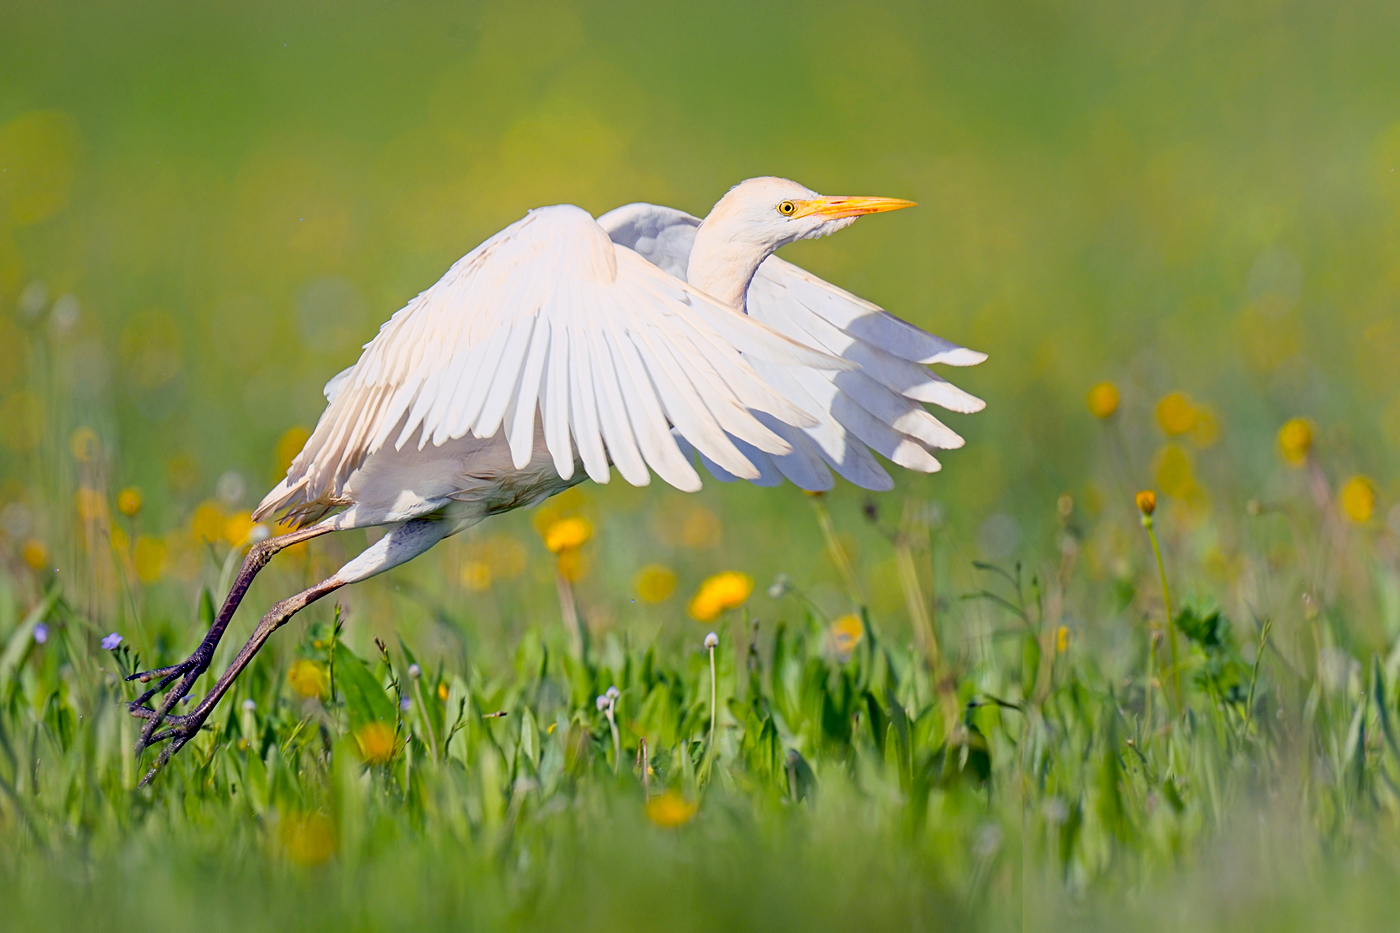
(1167,599)
(714,693)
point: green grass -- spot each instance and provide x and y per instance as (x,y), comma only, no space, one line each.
(1034,775)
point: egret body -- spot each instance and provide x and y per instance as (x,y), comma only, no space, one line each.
(563,347)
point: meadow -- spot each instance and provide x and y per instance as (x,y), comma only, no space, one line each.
(1018,693)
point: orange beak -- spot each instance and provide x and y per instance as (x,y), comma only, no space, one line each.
(833,208)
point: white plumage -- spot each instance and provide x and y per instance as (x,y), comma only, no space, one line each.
(564,346)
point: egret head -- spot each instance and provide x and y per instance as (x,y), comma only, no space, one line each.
(755,218)
(771,212)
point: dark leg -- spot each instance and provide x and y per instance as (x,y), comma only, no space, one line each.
(196,664)
(403,543)
(184,728)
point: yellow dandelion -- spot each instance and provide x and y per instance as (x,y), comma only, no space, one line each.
(308,838)
(476,576)
(375,741)
(442,691)
(1147,502)
(723,591)
(1177,414)
(36,555)
(1062,639)
(567,534)
(129,501)
(308,679)
(1103,400)
(670,810)
(1295,440)
(654,583)
(846,633)
(149,558)
(207,522)
(1358,499)
(238,527)
(288,446)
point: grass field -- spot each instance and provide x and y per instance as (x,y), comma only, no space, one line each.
(990,699)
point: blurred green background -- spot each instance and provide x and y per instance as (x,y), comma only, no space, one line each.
(205,211)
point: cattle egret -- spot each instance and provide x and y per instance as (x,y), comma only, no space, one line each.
(646,340)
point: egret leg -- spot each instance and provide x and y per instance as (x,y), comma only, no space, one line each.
(189,670)
(403,543)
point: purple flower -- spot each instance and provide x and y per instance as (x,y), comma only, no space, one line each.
(111,641)
(41,633)
(405,703)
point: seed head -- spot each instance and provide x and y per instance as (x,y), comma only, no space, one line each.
(415,671)
(613,693)
(712,640)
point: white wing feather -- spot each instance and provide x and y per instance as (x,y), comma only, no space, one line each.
(874,405)
(550,316)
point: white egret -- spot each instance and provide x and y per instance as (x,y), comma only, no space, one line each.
(563,346)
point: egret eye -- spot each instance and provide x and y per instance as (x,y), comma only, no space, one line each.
(787,208)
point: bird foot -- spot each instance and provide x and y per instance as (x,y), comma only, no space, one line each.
(182,728)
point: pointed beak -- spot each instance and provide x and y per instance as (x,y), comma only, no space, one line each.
(836,207)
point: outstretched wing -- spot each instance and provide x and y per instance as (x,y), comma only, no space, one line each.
(877,405)
(550,315)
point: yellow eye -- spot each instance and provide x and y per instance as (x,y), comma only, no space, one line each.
(787,208)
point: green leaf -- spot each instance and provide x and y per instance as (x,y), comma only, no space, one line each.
(365,697)
(206,607)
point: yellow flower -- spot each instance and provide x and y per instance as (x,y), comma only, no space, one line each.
(1177,414)
(1358,499)
(1062,639)
(723,591)
(1295,440)
(237,528)
(670,810)
(207,522)
(846,633)
(1147,502)
(376,741)
(309,838)
(442,691)
(35,554)
(308,679)
(567,534)
(476,576)
(1103,400)
(288,446)
(654,583)
(129,501)
(149,558)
